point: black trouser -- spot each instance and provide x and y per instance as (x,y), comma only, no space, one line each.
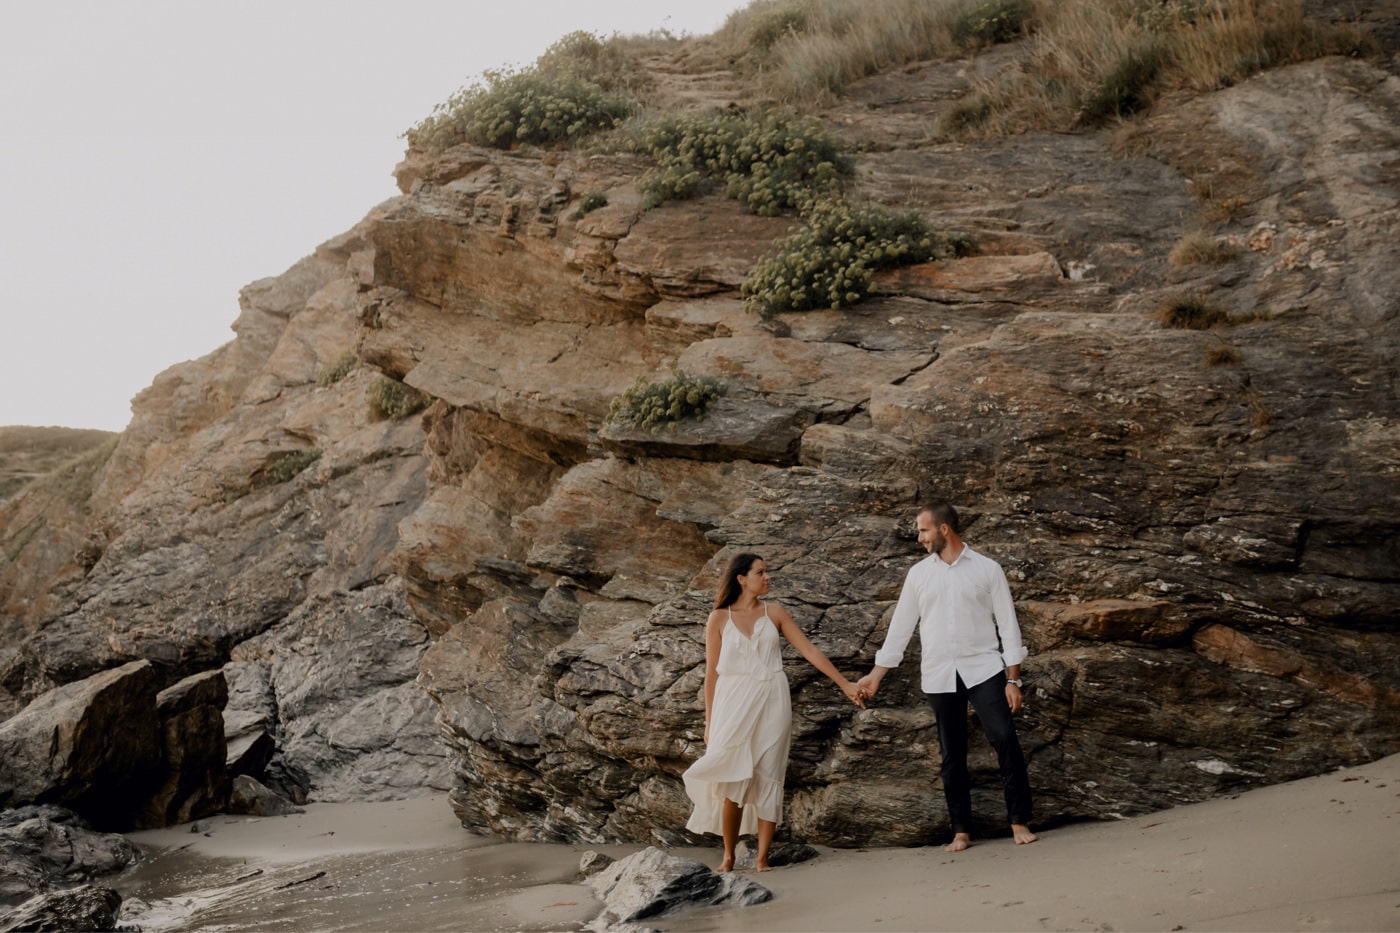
(988,700)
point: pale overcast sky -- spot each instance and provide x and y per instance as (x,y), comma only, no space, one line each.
(160,154)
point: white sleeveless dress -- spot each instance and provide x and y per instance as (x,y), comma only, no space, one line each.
(750,731)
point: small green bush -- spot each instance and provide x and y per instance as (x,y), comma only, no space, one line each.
(518,107)
(652,405)
(332,373)
(965,114)
(285,467)
(991,21)
(772,161)
(389,398)
(609,63)
(591,200)
(1126,88)
(831,262)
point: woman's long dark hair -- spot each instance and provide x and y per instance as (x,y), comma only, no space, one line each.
(729,588)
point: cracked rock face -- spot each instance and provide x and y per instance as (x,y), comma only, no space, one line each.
(1202,554)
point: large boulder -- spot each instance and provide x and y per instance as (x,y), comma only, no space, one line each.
(91,746)
(195,753)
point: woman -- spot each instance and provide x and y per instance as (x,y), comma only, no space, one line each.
(737,786)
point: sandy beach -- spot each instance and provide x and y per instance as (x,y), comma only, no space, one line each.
(1317,854)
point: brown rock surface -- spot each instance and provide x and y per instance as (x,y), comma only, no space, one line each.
(1203,555)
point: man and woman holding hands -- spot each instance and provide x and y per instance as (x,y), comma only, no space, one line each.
(971,653)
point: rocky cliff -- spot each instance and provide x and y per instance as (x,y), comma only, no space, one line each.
(1199,525)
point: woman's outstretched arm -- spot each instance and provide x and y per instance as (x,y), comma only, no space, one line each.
(812,653)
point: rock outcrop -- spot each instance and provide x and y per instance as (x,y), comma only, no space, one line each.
(1198,525)
(46,848)
(201,546)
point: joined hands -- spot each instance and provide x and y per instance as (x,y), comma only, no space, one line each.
(853,694)
(867,687)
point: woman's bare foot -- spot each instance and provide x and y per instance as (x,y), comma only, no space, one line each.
(1022,834)
(960,841)
(762,865)
(726,865)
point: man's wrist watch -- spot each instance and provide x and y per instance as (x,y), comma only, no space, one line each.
(1016,681)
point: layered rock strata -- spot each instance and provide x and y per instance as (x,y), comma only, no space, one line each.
(1206,605)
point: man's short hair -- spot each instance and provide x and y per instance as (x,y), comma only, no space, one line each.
(943,513)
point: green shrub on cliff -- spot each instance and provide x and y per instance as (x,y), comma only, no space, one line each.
(590,201)
(582,83)
(389,398)
(509,108)
(772,161)
(332,373)
(652,405)
(832,261)
(285,467)
(611,63)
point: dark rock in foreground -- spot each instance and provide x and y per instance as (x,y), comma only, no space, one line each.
(194,752)
(85,908)
(43,847)
(651,883)
(90,746)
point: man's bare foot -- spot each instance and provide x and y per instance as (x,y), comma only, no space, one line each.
(726,865)
(960,841)
(1023,834)
(762,865)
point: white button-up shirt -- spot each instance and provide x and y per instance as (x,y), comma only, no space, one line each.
(967,621)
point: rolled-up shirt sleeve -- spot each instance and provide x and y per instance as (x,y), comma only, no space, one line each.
(1004,611)
(902,623)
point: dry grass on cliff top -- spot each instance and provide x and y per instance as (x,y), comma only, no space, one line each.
(1085,61)
(1082,63)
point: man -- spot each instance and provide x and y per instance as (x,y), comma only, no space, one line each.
(972,652)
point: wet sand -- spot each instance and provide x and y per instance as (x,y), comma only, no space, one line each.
(1318,854)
